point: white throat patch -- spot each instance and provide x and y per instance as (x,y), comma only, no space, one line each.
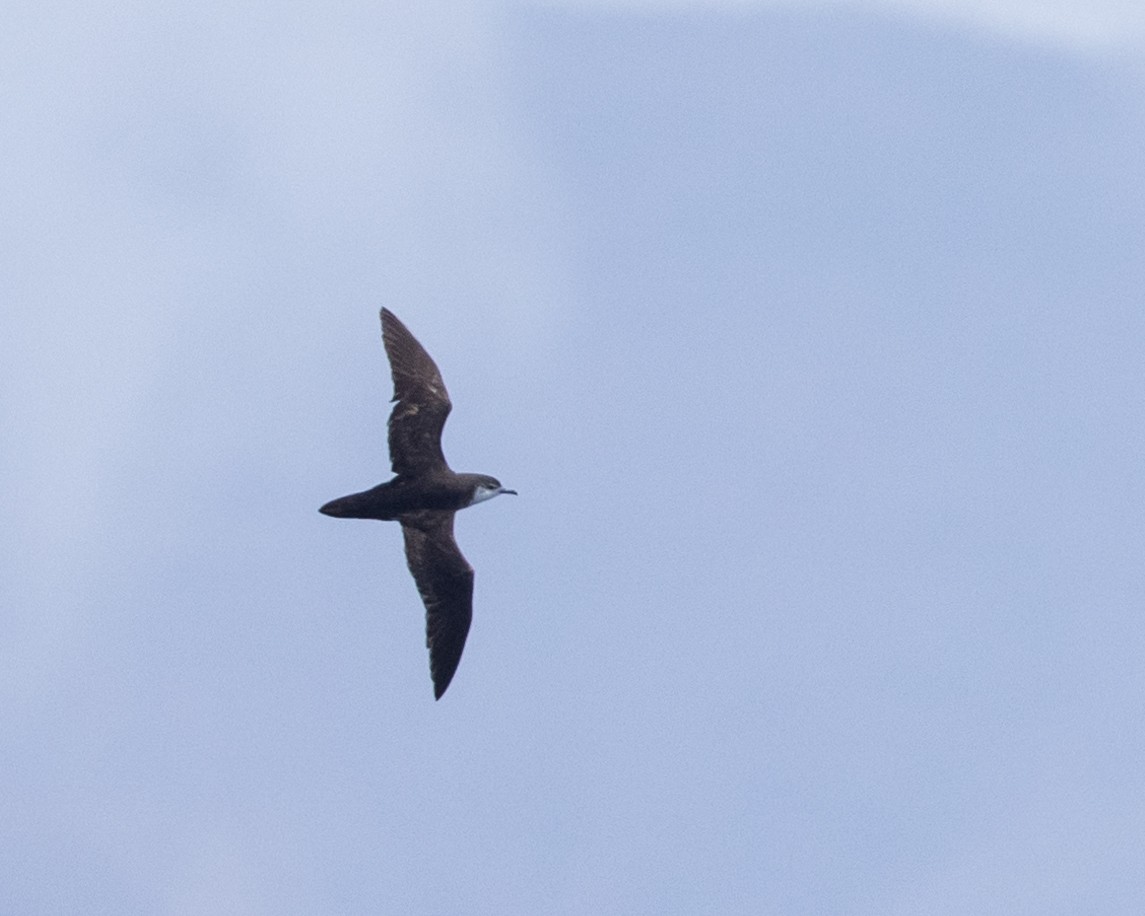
(483,493)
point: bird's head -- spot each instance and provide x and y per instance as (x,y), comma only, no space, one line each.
(487,488)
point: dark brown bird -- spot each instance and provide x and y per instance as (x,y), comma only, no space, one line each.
(424,496)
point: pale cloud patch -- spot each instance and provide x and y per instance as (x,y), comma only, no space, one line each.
(1093,26)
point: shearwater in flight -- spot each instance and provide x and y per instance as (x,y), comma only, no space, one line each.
(424,497)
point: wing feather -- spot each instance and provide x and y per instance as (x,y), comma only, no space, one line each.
(445,581)
(422,403)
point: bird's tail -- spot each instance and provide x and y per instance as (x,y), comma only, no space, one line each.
(370,504)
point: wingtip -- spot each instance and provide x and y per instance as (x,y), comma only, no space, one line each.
(441,683)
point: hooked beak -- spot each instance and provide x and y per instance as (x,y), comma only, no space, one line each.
(510,492)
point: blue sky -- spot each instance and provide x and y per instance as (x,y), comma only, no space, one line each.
(811,337)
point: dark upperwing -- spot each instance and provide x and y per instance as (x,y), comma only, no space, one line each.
(422,403)
(445,581)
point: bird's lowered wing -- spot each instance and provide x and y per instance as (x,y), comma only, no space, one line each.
(445,581)
(422,402)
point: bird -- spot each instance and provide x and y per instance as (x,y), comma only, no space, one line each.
(424,496)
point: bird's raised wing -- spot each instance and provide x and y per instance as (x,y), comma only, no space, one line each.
(422,402)
(445,581)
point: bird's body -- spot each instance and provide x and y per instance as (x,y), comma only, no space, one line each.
(423,497)
(390,501)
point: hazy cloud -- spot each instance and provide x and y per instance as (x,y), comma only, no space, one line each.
(1101,25)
